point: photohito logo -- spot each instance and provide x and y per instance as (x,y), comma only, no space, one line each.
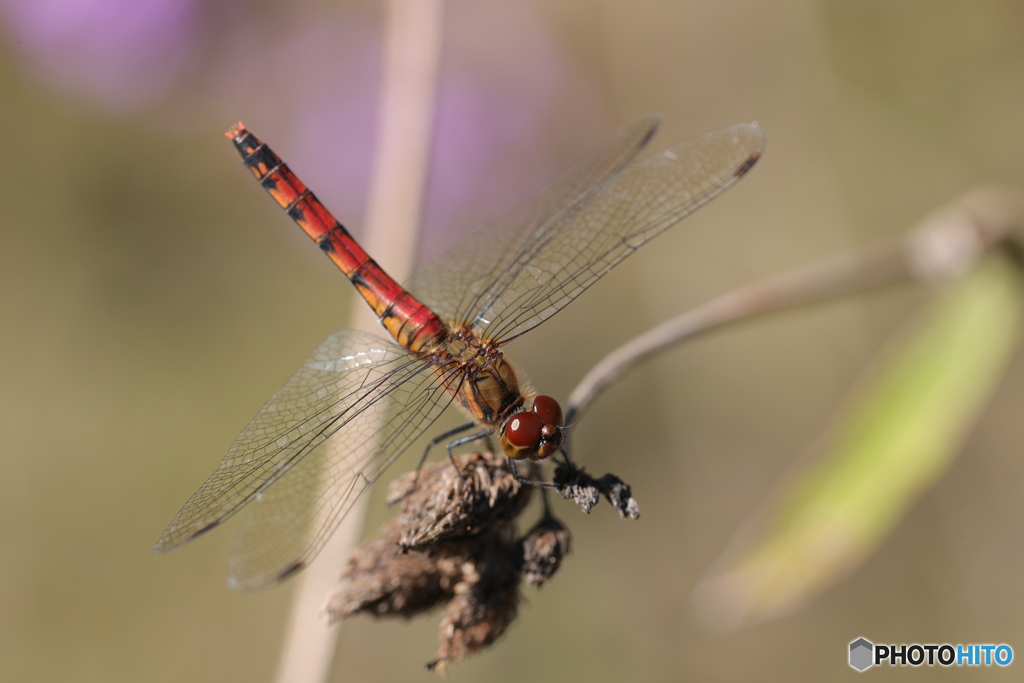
(865,654)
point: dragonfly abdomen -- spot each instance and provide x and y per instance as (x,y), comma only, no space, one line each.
(410,322)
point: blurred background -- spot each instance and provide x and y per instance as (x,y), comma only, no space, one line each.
(152,298)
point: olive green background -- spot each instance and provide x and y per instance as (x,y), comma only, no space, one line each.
(151,298)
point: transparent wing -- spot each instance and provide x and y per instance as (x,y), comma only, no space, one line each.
(539,257)
(310,451)
(456,284)
(289,523)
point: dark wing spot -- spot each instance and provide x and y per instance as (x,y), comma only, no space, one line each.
(204,529)
(747,165)
(291,570)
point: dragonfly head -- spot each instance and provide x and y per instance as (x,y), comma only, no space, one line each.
(534,434)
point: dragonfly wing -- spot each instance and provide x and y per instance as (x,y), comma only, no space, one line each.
(329,432)
(639,203)
(289,523)
(457,284)
(555,260)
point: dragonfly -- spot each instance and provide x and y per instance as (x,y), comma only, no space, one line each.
(361,400)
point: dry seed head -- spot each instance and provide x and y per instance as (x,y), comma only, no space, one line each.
(454,542)
(381,579)
(543,548)
(485,601)
(437,506)
(620,495)
(576,485)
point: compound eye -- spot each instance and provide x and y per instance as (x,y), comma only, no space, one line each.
(548,410)
(523,430)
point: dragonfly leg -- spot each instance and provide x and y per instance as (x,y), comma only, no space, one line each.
(433,442)
(442,437)
(451,445)
(566,449)
(529,482)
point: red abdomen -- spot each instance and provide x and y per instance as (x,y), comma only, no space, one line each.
(410,322)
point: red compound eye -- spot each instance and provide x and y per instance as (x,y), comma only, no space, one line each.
(523,430)
(548,410)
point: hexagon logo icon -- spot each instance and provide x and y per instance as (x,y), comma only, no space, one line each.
(862,653)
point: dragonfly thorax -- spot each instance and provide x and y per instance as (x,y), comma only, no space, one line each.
(476,372)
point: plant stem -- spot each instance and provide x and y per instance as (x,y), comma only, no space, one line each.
(943,246)
(413,37)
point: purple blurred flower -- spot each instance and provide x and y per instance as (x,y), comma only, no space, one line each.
(122,53)
(512,100)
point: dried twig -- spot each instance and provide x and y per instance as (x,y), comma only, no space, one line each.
(413,52)
(942,246)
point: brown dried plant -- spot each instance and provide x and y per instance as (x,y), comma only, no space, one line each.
(455,543)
